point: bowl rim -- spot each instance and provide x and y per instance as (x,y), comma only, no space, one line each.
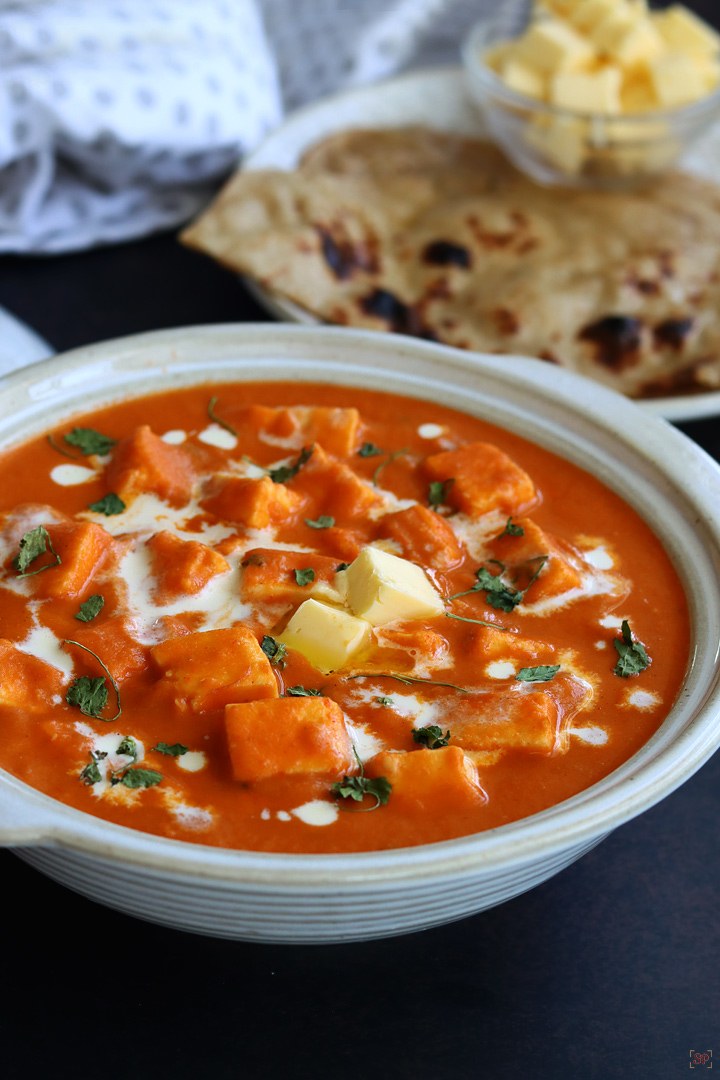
(28,817)
(488,81)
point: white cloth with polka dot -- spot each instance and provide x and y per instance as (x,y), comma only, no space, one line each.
(119,117)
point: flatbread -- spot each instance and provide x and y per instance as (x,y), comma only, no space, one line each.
(422,233)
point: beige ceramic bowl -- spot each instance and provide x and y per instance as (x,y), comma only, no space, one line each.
(316,898)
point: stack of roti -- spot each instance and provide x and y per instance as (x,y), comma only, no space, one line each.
(437,236)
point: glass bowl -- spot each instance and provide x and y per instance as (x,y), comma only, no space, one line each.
(561,147)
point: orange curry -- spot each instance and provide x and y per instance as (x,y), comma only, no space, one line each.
(289,617)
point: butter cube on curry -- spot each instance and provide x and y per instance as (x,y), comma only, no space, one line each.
(327,636)
(382,587)
(287,736)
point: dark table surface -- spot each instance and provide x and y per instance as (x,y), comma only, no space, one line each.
(609,970)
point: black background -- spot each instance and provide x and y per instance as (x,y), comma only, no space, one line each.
(609,970)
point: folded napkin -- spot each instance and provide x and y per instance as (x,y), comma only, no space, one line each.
(118,117)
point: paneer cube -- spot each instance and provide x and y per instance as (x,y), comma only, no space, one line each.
(182,567)
(210,669)
(144,464)
(382,587)
(288,736)
(514,719)
(327,636)
(521,554)
(424,536)
(115,640)
(253,503)
(409,645)
(486,479)
(336,428)
(269,575)
(27,682)
(334,488)
(423,779)
(83,547)
(489,645)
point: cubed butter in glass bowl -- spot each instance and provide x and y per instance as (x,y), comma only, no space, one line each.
(595,93)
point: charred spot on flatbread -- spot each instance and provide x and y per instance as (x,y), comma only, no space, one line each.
(618,339)
(445,253)
(673,333)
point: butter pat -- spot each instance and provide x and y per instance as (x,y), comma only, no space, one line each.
(594,92)
(328,637)
(523,78)
(553,46)
(686,32)
(676,80)
(587,15)
(382,587)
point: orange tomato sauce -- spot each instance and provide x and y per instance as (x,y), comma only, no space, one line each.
(597,718)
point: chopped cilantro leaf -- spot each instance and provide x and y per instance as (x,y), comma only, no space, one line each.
(304,577)
(274,650)
(323,522)
(438,490)
(543,673)
(128,747)
(511,530)
(176,750)
(383,700)
(91,774)
(92,607)
(431,736)
(301,691)
(60,450)
(409,679)
(283,473)
(140,778)
(90,441)
(369,449)
(501,596)
(32,545)
(109,505)
(88,694)
(633,657)
(341,566)
(357,787)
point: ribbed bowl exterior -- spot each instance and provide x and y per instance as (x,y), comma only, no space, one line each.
(297,917)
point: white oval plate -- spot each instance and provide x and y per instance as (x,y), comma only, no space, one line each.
(435,98)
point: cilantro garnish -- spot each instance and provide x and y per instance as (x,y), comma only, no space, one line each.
(274,650)
(438,491)
(304,577)
(176,750)
(543,673)
(633,658)
(92,607)
(511,530)
(391,458)
(383,700)
(499,594)
(91,774)
(109,505)
(32,545)
(357,787)
(140,778)
(223,423)
(90,441)
(369,449)
(90,694)
(408,679)
(301,691)
(323,522)
(341,566)
(432,736)
(283,473)
(128,747)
